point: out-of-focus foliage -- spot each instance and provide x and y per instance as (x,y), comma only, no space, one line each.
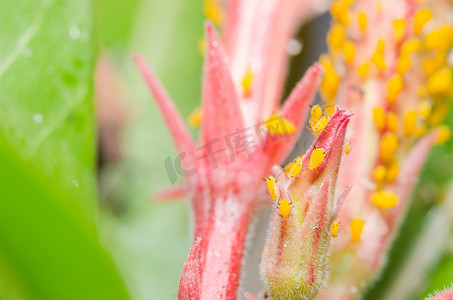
(151,240)
(49,247)
(46,109)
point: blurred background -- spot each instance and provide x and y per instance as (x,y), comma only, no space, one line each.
(78,123)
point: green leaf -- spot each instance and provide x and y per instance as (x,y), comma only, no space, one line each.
(46,109)
(48,247)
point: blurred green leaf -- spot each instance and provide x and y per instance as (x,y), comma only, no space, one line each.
(48,247)
(46,110)
(151,240)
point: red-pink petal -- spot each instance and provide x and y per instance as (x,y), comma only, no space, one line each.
(189,284)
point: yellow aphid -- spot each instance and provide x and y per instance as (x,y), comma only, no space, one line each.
(439,113)
(444,134)
(330,82)
(335,228)
(410,46)
(364,69)
(272,186)
(379,117)
(335,37)
(394,88)
(362,20)
(438,39)
(403,64)
(392,171)
(441,82)
(247,81)
(339,12)
(380,46)
(392,122)
(379,60)
(279,125)
(320,125)
(384,199)
(285,208)
(347,147)
(196,117)
(421,18)
(379,173)
(348,51)
(213,11)
(399,29)
(356,229)
(295,168)
(389,145)
(315,115)
(420,130)
(425,109)
(410,121)
(434,63)
(316,158)
(330,109)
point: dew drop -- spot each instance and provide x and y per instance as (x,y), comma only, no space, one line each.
(38,118)
(354,289)
(74,32)
(293,47)
(75,183)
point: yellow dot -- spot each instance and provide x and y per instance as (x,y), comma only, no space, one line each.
(335,228)
(439,113)
(384,199)
(348,51)
(379,61)
(438,39)
(196,117)
(420,130)
(392,122)
(421,17)
(316,158)
(389,145)
(394,88)
(444,134)
(330,81)
(432,64)
(392,171)
(364,69)
(339,12)
(335,37)
(362,20)
(410,46)
(425,109)
(379,173)
(440,82)
(247,81)
(213,11)
(379,117)
(356,229)
(285,208)
(410,121)
(399,29)
(403,64)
